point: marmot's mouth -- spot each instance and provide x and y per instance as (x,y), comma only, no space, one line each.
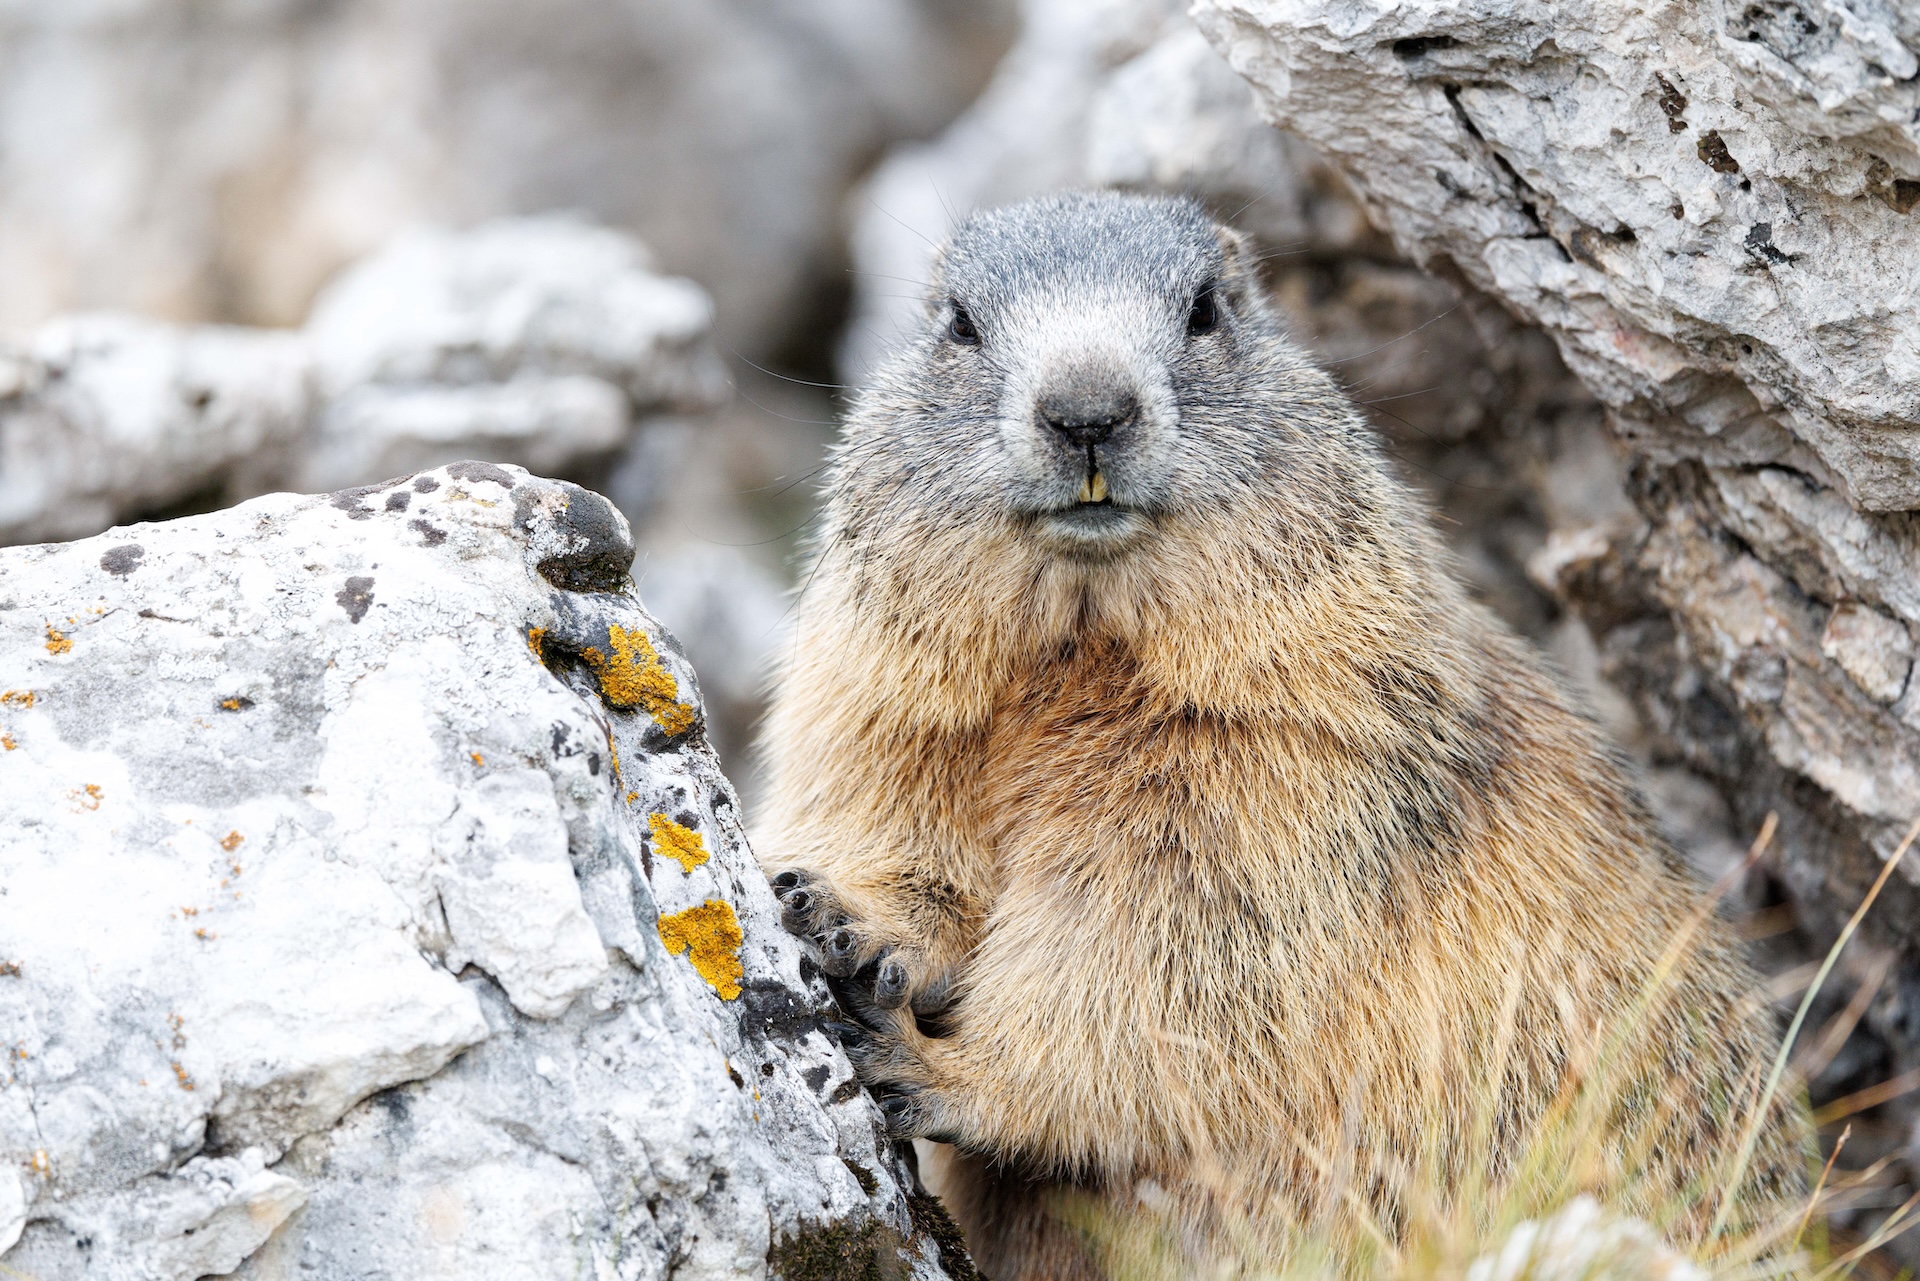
(1093,490)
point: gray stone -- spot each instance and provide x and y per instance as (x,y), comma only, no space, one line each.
(370,898)
(544,342)
(236,160)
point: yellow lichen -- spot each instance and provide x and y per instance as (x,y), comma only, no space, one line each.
(536,637)
(86,797)
(57,643)
(478,759)
(632,797)
(681,844)
(230,704)
(710,936)
(6,741)
(635,677)
(18,697)
(231,841)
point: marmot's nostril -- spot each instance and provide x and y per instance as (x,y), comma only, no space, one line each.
(1088,419)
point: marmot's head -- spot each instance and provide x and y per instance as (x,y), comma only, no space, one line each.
(1100,424)
(1090,367)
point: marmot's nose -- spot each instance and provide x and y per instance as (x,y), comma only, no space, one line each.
(1085,416)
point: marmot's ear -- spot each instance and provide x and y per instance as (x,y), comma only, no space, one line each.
(934,298)
(1237,259)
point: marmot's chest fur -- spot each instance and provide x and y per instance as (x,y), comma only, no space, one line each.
(1162,808)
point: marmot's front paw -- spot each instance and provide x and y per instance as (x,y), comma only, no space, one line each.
(866,973)
(807,907)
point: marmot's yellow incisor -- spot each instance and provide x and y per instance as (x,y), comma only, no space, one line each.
(1165,812)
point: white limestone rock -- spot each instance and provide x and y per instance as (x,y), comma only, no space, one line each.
(1709,205)
(369,898)
(534,341)
(545,342)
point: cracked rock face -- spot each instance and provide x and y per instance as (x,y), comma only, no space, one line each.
(370,899)
(545,342)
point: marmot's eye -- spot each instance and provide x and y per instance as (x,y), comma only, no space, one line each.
(1205,312)
(962,329)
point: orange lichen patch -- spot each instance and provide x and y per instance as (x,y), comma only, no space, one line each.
(634,677)
(204,933)
(231,841)
(230,704)
(536,640)
(710,936)
(681,844)
(40,1164)
(57,643)
(189,911)
(6,741)
(87,797)
(477,758)
(632,797)
(9,969)
(17,698)
(180,1075)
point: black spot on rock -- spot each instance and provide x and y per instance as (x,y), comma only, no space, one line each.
(348,501)
(1673,103)
(740,1082)
(477,471)
(773,1010)
(1759,243)
(123,560)
(397,500)
(429,536)
(598,548)
(356,597)
(593,764)
(1713,153)
(816,1077)
(1418,46)
(425,484)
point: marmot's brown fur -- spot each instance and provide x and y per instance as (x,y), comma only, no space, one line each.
(1164,808)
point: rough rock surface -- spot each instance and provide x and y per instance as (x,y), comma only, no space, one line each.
(1711,208)
(371,902)
(544,342)
(239,154)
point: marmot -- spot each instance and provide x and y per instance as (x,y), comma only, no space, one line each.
(1168,815)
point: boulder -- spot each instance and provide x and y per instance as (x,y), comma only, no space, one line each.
(545,342)
(237,157)
(370,899)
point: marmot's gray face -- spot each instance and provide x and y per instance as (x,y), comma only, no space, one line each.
(1083,372)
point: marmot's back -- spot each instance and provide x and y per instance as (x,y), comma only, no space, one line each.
(1164,809)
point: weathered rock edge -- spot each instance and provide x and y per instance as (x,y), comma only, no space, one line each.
(345,841)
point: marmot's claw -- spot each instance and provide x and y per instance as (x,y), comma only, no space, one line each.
(890,985)
(842,953)
(786,883)
(796,912)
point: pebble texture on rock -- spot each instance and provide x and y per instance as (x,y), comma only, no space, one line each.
(370,903)
(544,342)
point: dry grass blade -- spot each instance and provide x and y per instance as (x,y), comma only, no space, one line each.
(1872,1096)
(1749,1139)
